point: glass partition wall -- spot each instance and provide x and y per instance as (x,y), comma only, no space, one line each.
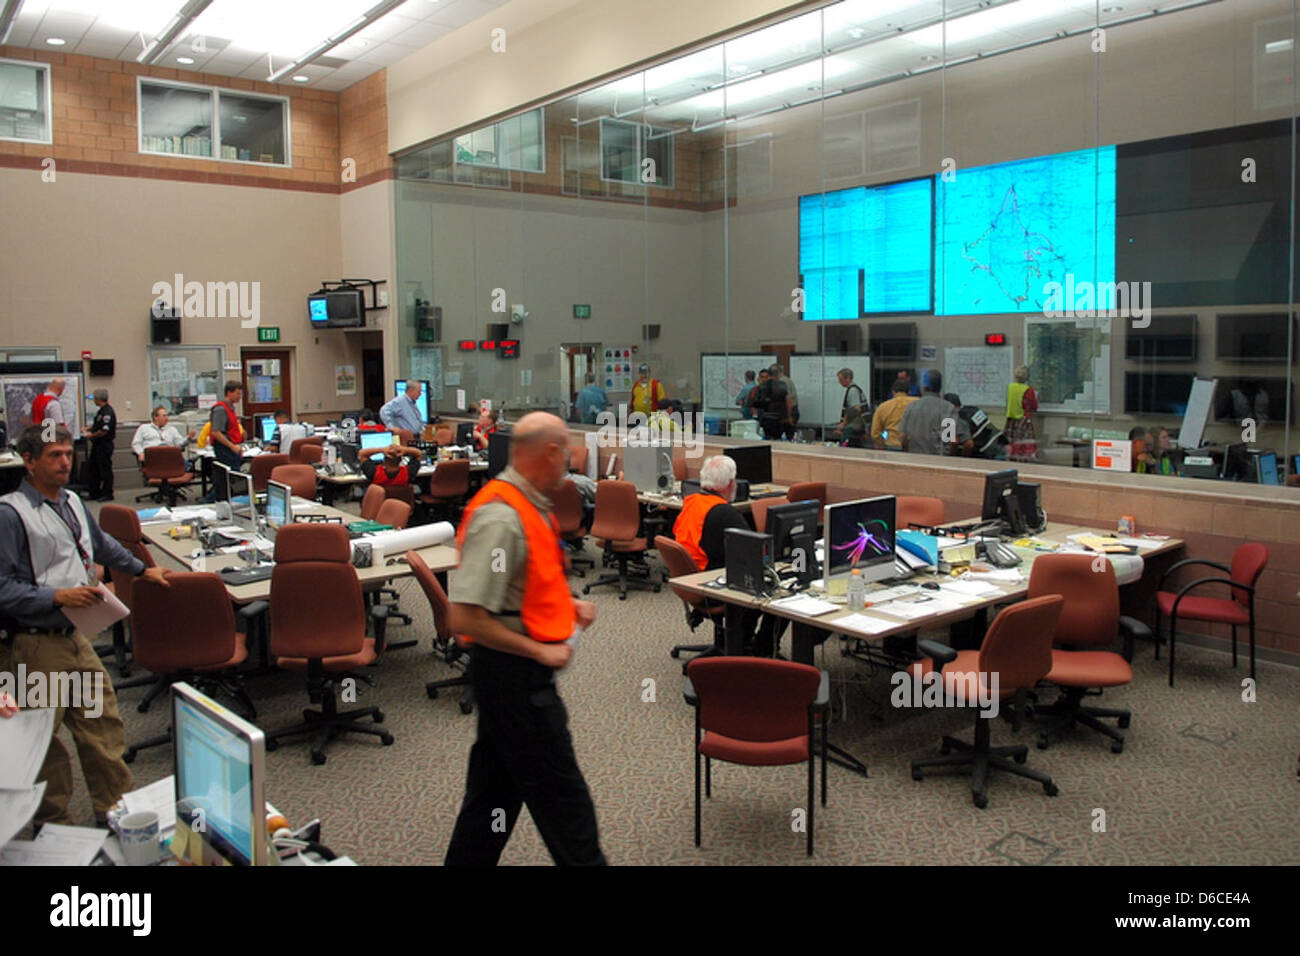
(1094,201)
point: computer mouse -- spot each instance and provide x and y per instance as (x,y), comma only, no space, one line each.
(930,585)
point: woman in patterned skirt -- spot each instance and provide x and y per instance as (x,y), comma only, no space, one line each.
(1021,401)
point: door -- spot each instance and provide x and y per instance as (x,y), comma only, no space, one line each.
(267,382)
(575,362)
(372,379)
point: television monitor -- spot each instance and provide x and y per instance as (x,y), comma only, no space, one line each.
(374,443)
(1266,468)
(860,534)
(279,504)
(498,453)
(753,462)
(422,403)
(1252,337)
(1262,399)
(1169,338)
(219,766)
(1236,463)
(464,433)
(891,342)
(1000,499)
(793,528)
(347,308)
(239,495)
(318,310)
(264,427)
(1157,393)
(748,556)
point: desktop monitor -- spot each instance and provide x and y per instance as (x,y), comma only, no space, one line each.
(266,427)
(279,504)
(374,443)
(464,433)
(1295,465)
(860,534)
(422,403)
(498,453)
(219,768)
(753,463)
(239,496)
(1266,468)
(749,555)
(1236,463)
(220,486)
(793,528)
(1000,500)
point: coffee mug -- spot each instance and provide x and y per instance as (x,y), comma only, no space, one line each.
(138,834)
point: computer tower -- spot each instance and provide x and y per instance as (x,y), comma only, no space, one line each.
(498,453)
(749,555)
(649,467)
(1029,494)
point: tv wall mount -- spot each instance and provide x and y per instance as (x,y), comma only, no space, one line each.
(334,285)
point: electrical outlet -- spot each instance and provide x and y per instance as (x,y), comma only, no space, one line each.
(128,406)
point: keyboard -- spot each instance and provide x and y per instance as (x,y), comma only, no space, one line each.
(240,576)
(767,494)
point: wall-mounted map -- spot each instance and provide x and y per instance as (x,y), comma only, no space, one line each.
(1069,363)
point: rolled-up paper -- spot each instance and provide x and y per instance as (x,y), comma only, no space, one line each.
(397,542)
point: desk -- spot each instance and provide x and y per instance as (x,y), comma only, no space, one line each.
(331,484)
(673,502)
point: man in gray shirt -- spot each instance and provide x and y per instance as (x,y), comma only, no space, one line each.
(403,412)
(49,546)
(931,424)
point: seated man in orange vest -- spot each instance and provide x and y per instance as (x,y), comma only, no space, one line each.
(511,599)
(701,529)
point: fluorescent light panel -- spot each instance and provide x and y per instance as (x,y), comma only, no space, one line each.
(146,16)
(285,28)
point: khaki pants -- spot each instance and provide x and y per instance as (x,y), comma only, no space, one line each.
(100,740)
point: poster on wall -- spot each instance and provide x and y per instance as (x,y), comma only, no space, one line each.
(1069,363)
(426,363)
(19,392)
(345,379)
(617,372)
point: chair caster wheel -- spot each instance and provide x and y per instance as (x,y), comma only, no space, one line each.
(386,740)
(622,597)
(586,589)
(128,756)
(142,708)
(272,744)
(916,774)
(1051,789)
(378,717)
(1123,722)
(317,757)
(1117,747)
(980,800)
(1042,743)
(466,707)
(1021,757)
(674,654)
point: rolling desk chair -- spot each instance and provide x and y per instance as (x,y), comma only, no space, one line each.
(306,452)
(698,609)
(446,645)
(758,511)
(397,513)
(301,479)
(615,527)
(912,509)
(568,516)
(165,472)
(318,625)
(806,490)
(261,467)
(374,497)
(448,486)
(123,525)
(403,493)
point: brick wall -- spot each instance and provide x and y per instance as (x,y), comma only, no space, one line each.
(363,130)
(94,119)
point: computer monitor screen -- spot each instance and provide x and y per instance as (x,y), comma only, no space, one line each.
(1236,464)
(278,504)
(220,486)
(370,441)
(219,771)
(794,527)
(997,486)
(1267,468)
(422,403)
(1295,465)
(753,463)
(465,433)
(266,427)
(239,489)
(860,534)
(318,310)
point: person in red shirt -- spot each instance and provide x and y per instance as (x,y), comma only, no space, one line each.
(399,466)
(487,424)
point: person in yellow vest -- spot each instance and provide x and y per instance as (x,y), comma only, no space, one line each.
(1021,402)
(511,599)
(647,392)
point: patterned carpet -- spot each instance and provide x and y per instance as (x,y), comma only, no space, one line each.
(1205,778)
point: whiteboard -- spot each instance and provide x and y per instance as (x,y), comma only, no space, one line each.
(1198,412)
(979,375)
(821,396)
(722,377)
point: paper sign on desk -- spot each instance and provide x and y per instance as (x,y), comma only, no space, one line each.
(99,616)
(804,604)
(977,589)
(17,807)
(863,624)
(154,514)
(24,739)
(160,797)
(55,845)
(911,610)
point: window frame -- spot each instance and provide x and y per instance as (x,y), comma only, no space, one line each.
(215,93)
(41,67)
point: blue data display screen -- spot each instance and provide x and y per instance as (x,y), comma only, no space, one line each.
(1006,232)
(866,250)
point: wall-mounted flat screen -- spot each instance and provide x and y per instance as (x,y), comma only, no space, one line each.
(1257,398)
(1169,338)
(1157,393)
(1251,337)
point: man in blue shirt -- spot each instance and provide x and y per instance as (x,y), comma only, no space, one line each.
(592,400)
(745,394)
(403,412)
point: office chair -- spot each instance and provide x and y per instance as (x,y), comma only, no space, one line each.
(444,435)
(758,511)
(679,468)
(306,452)
(448,487)
(208,655)
(568,516)
(1018,648)
(318,625)
(404,493)
(805,490)
(1090,621)
(450,647)
(757,713)
(397,513)
(615,526)
(165,472)
(1248,563)
(698,609)
(375,496)
(913,509)
(403,436)
(260,469)
(123,525)
(578,459)
(301,479)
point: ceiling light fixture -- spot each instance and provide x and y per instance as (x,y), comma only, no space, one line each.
(185,16)
(300,78)
(55,41)
(187,60)
(365,20)
(8,14)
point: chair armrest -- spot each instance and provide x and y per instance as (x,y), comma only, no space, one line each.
(823,700)
(689,693)
(379,614)
(941,653)
(252,610)
(1199,581)
(1186,561)
(1131,628)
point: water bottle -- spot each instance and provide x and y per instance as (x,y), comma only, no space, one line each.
(857,590)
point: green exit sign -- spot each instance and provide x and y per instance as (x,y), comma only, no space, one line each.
(582,311)
(424,335)
(268,333)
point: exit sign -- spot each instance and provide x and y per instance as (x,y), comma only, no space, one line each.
(268,333)
(425,335)
(582,311)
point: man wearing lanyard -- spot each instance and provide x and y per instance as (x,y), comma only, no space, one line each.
(511,598)
(49,545)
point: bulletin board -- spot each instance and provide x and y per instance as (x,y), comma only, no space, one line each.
(617,373)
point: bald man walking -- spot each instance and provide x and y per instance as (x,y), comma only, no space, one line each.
(511,598)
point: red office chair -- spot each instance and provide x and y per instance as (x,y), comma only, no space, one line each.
(919,510)
(569,518)
(578,459)
(1090,621)
(1248,563)
(448,487)
(208,655)
(403,436)
(301,479)
(698,609)
(261,467)
(1018,648)
(165,471)
(404,493)
(394,512)
(450,647)
(805,490)
(307,453)
(374,497)
(758,511)
(318,625)
(123,525)
(615,525)
(758,713)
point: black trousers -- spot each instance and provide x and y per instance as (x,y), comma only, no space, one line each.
(99,468)
(523,755)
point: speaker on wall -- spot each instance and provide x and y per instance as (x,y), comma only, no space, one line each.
(498,331)
(164,326)
(649,332)
(101,367)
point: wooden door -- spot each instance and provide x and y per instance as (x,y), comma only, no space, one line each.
(268,382)
(372,379)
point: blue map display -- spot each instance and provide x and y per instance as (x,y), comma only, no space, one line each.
(1006,231)
(884,231)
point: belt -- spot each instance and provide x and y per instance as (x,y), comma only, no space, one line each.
(24,629)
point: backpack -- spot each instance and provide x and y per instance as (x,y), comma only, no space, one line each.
(205,435)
